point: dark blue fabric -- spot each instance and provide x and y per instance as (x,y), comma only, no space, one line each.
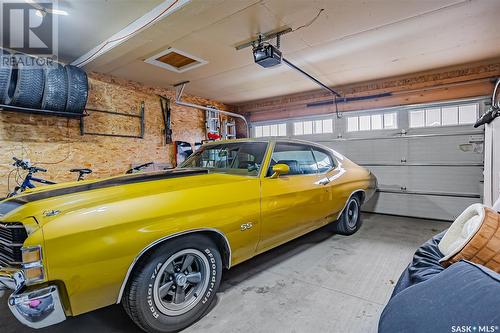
(425,264)
(463,296)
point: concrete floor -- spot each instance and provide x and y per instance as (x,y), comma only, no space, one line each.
(320,282)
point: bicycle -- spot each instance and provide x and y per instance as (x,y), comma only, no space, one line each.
(29,178)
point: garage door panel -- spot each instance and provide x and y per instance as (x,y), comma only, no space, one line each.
(429,171)
(429,178)
(375,151)
(389,177)
(424,206)
(337,145)
(443,149)
(437,178)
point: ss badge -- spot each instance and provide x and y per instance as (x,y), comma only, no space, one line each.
(246,226)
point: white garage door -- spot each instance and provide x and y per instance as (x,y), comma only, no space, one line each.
(428,159)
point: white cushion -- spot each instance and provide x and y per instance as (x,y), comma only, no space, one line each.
(461,231)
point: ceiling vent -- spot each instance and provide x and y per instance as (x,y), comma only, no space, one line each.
(176,60)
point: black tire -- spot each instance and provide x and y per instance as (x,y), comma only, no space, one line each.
(78,89)
(142,300)
(5,74)
(55,93)
(29,82)
(350,220)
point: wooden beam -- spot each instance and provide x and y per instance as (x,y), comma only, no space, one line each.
(470,80)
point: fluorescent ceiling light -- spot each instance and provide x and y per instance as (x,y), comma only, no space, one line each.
(59,12)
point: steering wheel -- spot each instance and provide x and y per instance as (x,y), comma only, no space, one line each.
(250,165)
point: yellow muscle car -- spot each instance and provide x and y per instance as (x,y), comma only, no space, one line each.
(157,242)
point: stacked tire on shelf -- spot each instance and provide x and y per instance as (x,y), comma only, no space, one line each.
(54,88)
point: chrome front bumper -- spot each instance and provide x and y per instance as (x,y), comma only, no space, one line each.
(37,308)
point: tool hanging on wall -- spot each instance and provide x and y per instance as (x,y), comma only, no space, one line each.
(166,113)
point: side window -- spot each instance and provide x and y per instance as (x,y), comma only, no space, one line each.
(324,160)
(299,158)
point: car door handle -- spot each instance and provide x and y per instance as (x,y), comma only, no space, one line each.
(324,181)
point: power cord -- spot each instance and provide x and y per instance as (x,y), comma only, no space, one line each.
(310,22)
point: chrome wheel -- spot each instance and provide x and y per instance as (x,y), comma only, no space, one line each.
(352,213)
(181,282)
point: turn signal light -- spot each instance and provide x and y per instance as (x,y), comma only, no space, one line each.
(33,264)
(31,254)
(34,274)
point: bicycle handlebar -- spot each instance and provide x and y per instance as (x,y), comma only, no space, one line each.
(139,167)
(36,169)
(25,165)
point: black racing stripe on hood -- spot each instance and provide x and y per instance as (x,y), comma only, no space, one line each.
(8,206)
(124,180)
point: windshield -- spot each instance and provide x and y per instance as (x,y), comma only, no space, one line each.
(243,158)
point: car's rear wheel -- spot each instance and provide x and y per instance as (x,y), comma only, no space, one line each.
(350,220)
(174,286)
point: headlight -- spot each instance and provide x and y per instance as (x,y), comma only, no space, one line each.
(33,264)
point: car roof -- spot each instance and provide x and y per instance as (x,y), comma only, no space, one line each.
(274,139)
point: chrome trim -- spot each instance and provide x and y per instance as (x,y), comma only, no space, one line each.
(35,264)
(347,201)
(36,308)
(10,226)
(10,243)
(34,247)
(11,278)
(158,241)
(39,308)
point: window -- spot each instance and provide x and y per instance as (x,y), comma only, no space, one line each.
(417,118)
(372,122)
(270,130)
(299,158)
(376,122)
(352,124)
(308,127)
(364,123)
(433,117)
(444,116)
(313,127)
(449,116)
(390,121)
(238,158)
(467,114)
(323,159)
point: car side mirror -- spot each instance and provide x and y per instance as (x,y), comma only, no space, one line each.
(280,169)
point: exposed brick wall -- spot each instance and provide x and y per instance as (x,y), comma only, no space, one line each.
(56,144)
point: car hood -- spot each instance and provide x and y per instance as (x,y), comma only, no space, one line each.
(46,202)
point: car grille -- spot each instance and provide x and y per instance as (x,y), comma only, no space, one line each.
(12,237)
